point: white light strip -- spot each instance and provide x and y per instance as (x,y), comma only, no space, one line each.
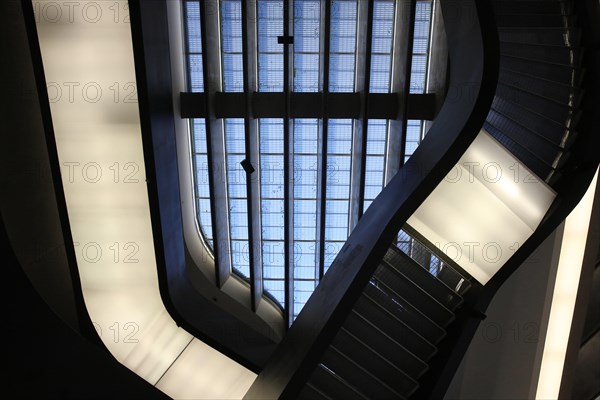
(89,69)
(564,296)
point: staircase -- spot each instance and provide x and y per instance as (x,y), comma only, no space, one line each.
(391,335)
(535,109)
(387,340)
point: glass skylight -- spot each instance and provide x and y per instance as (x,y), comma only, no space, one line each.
(339,163)
(237,195)
(343,46)
(306,205)
(418,72)
(231,45)
(198,125)
(270,53)
(272,206)
(321,152)
(381,71)
(307,37)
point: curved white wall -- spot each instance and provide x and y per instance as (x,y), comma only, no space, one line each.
(88,61)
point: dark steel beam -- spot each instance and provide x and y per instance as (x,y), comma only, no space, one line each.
(438,62)
(365,109)
(209,28)
(288,187)
(252,150)
(309,105)
(322,187)
(409,50)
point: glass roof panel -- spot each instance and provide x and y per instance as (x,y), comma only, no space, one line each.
(237,195)
(308,149)
(270,53)
(272,204)
(338,170)
(231,45)
(375,162)
(307,38)
(305,208)
(342,57)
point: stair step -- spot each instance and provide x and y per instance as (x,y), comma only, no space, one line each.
(309,392)
(561,114)
(559,73)
(420,276)
(452,279)
(361,379)
(533,7)
(525,138)
(535,20)
(364,355)
(409,243)
(542,36)
(332,385)
(525,157)
(382,294)
(553,54)
(560,93)
(384,345)
(428,305)
(394,328)
(554,131)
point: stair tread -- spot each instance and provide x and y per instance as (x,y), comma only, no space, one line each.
(429,306)
(388,298)
(364,381)
(420,276)
(395,352)
(395,328)
(521,127)
(332,385)
(367,358)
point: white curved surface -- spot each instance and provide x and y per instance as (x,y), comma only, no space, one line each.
(88,61)
(487,206)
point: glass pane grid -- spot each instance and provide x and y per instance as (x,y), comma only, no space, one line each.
(338,170)
(305,155)
(193,41)
(381,46)
(342,46)
(201,179)
(420,53)
(305,206)
(272,206)
(231,45)
(418,73)
(377,131)
(270,53)
(307,19)
(237,195)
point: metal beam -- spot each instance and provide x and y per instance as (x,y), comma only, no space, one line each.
(438,61)
(365,119)
(322,187)
(215,140)
(249,48)
(301,105)
(409,50)
(288,186)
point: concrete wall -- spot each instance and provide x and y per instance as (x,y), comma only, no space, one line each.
(503,359)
